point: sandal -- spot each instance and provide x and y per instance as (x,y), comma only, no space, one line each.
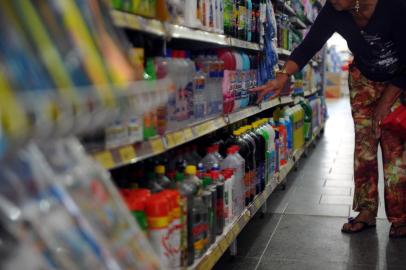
(365,225)
(394,233)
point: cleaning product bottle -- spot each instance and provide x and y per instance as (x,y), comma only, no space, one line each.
(157,211)
(161,178)
(249,18)
(210,159)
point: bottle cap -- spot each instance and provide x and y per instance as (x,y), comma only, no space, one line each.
(237,132)
(160,169)
(190,169)
(215,175)
(211,149)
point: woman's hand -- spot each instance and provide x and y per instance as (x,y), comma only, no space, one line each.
(274,87)
(383,108)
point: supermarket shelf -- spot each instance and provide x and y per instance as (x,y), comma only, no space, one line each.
(237,43)
(311,92)
(139,23)
(213,254)
(177,31)
(130,154)
(298,23)
(286,100)
(283,7)
(172,31)
(283,52)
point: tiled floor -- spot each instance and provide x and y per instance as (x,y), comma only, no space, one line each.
(301,229)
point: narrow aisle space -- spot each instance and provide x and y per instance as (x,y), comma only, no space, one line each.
(302,226)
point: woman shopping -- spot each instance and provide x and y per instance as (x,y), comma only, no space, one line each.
(375,31)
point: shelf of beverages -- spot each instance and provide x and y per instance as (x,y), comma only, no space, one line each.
(168,30)
(129,154)
(223,242)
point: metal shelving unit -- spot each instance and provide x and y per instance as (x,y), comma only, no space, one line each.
(223,242)
(172,31)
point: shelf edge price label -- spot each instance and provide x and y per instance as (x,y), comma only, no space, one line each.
(133,21)
(170,140)
(127,153)
(223,244)
(205,128)
(179,137)
(105,159)
(188,134)
(157,146)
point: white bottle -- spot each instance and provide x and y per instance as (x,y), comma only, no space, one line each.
(237,163)
(271,146)
(228,197)
(190,11)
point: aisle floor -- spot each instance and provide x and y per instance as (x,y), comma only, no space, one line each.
(301,228)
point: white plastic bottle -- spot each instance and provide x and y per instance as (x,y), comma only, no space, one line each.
(271,132)
(237,163)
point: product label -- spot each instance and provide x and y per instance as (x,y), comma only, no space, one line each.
(242,12)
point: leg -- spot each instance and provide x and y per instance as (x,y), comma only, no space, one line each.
(394,163)
(364,95)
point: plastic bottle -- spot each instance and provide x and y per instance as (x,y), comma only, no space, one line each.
(271,147)
(237,163)
(200,107)
(216,147)
(260,150)
(174,230)
(263,154)
(228,17)
(242,20)
(283,141)
(215,175)
(191,14)
(211,207)
(228,83)
(238,81)
(229,187)
(244,80)
(187,191)
(210,159)
(157,210)
(249,19)
(161,178)
(308,113)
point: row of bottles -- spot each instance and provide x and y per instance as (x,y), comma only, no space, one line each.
(242,19)
(205,188)
(211,84)
(60,210)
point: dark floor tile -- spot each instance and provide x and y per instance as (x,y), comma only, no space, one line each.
(314,209)
(227,262)
(254,238)
(267,264)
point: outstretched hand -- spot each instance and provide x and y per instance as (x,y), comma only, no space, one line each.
(273,87)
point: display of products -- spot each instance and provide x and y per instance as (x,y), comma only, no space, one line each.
(70,70)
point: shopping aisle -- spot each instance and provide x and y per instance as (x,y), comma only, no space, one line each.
(301,229)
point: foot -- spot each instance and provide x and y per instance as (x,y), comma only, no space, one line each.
(363,221)
(397,231)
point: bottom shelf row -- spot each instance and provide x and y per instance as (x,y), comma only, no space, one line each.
(223,242)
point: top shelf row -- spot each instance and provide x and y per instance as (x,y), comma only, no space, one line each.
(169,31)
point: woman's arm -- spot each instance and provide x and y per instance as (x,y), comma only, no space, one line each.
(318,35)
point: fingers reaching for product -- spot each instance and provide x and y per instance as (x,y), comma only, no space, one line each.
(271,87)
